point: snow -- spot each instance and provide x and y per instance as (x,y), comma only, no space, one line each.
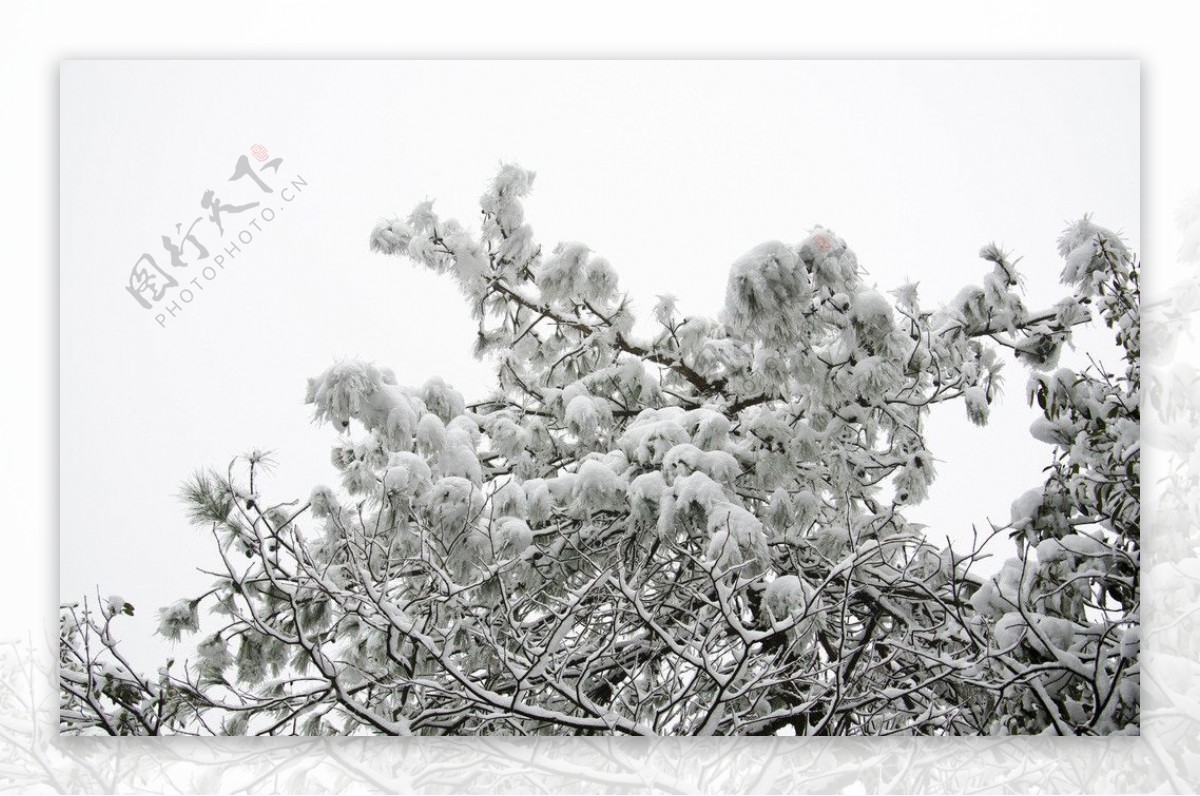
(1078,248)
(561,275)
(693,334)
(463,430)
(767,289)
(833,265)
(780,511)
(1051,551)
(1000,593)
(459,459)
(586,417)
(1084,546)
(874,377)
(1131,642)
(736,537)
(1025,508)
(664,309)
(451,503)
(400,426)
(423,218)
(513,181)
(508,438)
(724,551)
(682,459)
(518,247)
(1009,630)
(721,466)
(1053,432)
(510,501)
(698,491)
(599,282)
(442,399)
(1033,627)
(353,390)
(431,434)
(395,480)
(471,268)
(709,428)
(975,399)
(871,315)
(647,441)
(597,488)
(645,495)
(538,501)
(1058,631)
(419,473)
(114,605)
(561,488)
(512,536)
(324,502)
(786,596)
(391,237)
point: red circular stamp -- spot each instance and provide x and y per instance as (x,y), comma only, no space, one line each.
(822,242)
(259,151)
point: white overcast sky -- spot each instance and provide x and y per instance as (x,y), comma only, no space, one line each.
(669,169)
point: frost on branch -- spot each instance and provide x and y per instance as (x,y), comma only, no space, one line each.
(698,531)
(769,287)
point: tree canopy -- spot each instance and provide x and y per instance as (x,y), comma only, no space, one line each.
(698,530)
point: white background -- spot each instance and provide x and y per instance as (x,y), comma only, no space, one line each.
(35,41)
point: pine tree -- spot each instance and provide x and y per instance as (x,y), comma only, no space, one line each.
(695,531)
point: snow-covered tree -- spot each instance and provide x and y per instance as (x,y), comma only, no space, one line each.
(700,530)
